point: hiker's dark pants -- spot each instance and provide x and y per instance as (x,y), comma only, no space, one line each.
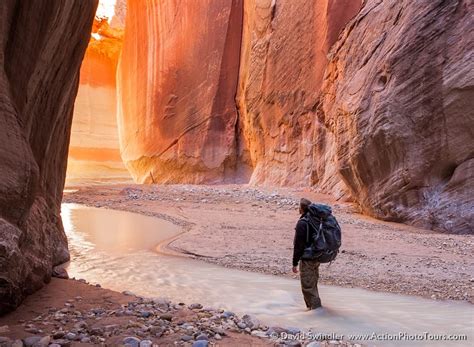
(309,274)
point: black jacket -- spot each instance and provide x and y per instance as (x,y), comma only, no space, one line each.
(301,236)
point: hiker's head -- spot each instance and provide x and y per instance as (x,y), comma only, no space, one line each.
(304,204)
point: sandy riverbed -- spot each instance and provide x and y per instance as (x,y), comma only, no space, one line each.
(252,229)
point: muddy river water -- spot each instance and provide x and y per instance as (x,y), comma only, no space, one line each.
(118,250)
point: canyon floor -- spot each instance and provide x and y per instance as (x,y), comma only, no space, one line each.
(69,312)
(241,227)
(252,229)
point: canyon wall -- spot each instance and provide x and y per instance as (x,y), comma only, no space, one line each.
(375,108)
(42,44)
(284,49)
(178,85)
(398,101)
(176,82)
(94,152)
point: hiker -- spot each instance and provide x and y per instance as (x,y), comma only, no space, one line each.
(317,240)
(309,269)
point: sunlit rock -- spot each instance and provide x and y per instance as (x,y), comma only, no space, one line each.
(94,150)
(177,81)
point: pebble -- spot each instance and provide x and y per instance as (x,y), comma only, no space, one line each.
(31,340)
(162,303)
(195,306)
(241,325)
(43,342)
(62,342)
(166,316)
(71,336)
(259,333)
(186,338)
(202,337)
(201,343)
(156,331)
(81,325)
(146,343)
(314,344)
(131,341)
(228,314)
(18,343)
(251,321)
(145,314)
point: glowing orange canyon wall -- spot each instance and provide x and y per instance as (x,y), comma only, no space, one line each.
(177,82)
(94,149)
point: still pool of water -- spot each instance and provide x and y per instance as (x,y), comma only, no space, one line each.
(117,250)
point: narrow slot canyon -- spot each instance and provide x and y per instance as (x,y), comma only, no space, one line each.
(94,149)
(174,105)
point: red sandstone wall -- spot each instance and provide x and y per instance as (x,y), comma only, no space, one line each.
(284,49)
(397,103)
(42,44)
(379,115)
(177,81)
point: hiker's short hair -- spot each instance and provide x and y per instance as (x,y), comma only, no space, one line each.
(304,204)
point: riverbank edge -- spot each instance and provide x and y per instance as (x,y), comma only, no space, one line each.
(69,312)
(166,248)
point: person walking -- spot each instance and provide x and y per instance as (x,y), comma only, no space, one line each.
(309,269)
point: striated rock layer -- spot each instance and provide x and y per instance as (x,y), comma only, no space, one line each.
(284,50)
(42,44)
(176,82)
(397,102)
(94,149)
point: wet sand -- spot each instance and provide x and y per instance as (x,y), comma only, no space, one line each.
(252,229)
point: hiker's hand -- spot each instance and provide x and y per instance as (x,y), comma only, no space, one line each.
(295,269)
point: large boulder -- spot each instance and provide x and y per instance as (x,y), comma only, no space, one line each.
(177,80)
(42,44)
(397,106)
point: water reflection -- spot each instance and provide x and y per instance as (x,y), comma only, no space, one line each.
(115,249)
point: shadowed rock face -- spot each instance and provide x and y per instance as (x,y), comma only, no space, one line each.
(397,102)
(176,81)
(41,47)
